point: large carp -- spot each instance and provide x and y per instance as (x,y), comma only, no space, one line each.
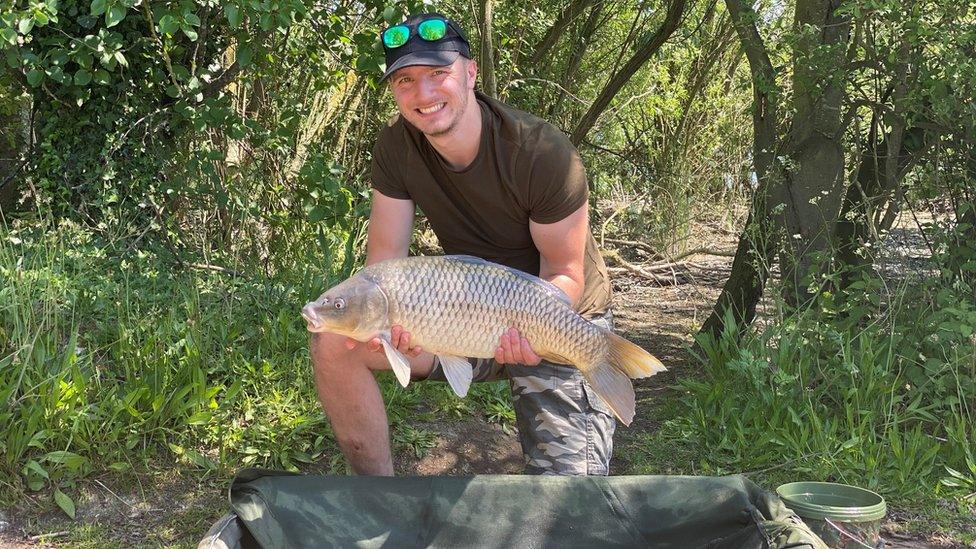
(459,306)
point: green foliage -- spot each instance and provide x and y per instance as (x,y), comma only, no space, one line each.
(109,361)
(871,391)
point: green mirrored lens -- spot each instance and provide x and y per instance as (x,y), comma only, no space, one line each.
(432,29)
(394,37)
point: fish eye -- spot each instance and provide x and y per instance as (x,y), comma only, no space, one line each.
(340,304)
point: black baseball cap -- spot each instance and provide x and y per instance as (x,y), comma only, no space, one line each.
(418,51)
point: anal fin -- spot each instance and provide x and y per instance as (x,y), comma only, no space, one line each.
(458,372)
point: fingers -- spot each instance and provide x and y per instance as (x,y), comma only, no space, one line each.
(529,358)
(400,339)
(515,349)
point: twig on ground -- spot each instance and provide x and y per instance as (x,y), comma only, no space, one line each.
(703,251)
(612,254)
(50,535)
(660,255)
(109,490)
(634,244)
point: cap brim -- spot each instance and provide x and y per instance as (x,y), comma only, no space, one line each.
(430,58)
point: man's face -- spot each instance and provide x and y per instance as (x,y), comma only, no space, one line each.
(433,99)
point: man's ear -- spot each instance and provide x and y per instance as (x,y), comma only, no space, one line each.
(472,69)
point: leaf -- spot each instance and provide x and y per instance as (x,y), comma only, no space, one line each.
(244,56)
(65,503)
(199,418)
(234,16)
(101,77)
(317,214)
(41,18)
(34,77)
(97,7)
(168,24)
(121,59)
(10,35)
(26,24)
(70,460)
(191,19)
(200,460)
(115,14)
(40,471)
(189,32)
(82,77)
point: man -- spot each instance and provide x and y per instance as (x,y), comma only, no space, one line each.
(496,183)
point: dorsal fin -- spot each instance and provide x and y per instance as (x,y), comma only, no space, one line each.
(549,286)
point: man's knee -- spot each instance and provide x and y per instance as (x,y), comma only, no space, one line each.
(330,354)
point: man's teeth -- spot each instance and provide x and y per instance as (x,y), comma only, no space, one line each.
(434,108)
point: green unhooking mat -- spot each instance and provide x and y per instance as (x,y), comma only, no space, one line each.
(283,510)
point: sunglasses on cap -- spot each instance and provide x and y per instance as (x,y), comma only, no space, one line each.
(430,30)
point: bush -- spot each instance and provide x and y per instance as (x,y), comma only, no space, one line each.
(863,390)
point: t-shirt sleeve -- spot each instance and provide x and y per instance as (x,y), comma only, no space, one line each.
(553,174)
(385,177)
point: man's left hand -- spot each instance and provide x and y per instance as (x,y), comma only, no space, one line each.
(515,349)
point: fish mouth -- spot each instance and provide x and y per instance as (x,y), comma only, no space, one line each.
(312,319)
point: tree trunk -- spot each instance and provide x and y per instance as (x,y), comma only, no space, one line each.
(544,47)
(670,24)
(14,136)
(816,154)
(750,268)
(487,57)
(875,180)
(576,57)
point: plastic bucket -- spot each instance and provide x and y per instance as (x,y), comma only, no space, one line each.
(843,516)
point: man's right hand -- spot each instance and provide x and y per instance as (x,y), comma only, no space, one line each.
(399,337)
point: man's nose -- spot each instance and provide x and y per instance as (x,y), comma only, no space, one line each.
(427,89)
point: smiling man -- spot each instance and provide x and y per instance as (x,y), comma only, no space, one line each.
(496,183)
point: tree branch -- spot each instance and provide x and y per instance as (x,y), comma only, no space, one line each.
(671,21)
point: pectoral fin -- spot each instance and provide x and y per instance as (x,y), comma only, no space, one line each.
(399,362)
(458,372)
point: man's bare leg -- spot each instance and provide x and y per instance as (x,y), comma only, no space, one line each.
(351,398)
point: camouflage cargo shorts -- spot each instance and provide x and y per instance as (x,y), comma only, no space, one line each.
(564,427)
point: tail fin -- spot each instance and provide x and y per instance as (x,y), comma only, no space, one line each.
(631,359)
(611,379)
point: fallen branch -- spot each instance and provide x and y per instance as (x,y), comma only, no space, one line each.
(659,255)
(51,535)
(634,244)
(703,251)
(612,254)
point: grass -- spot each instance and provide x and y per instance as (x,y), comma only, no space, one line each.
(112,364)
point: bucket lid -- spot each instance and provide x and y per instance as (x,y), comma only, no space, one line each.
(829,500)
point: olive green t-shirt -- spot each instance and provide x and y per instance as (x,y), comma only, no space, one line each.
(526,169)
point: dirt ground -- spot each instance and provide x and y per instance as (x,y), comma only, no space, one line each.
(168,509)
